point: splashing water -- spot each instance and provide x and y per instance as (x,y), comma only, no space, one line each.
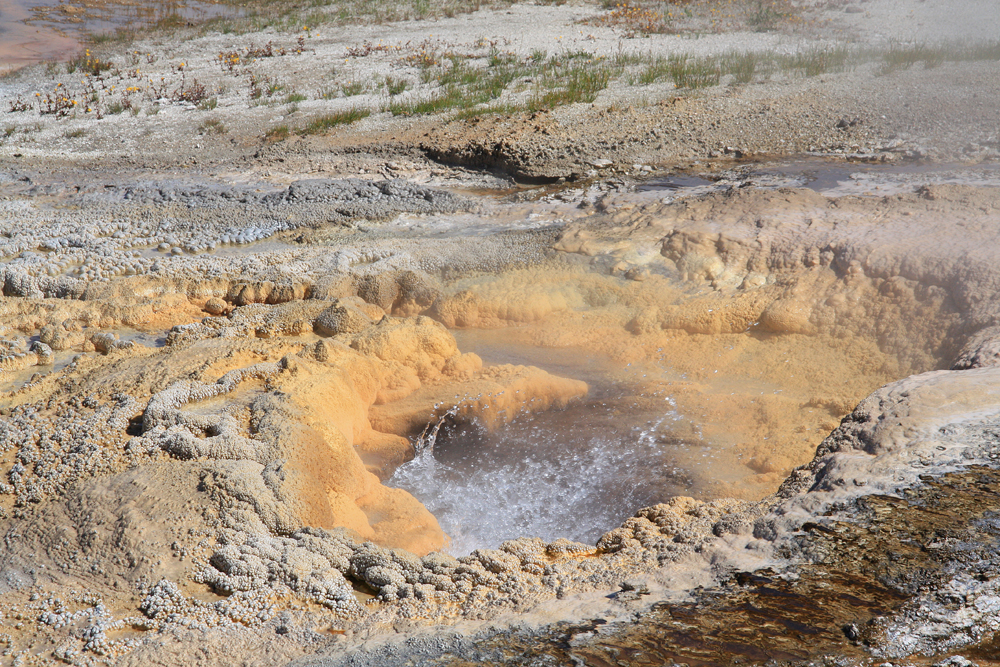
(575,473)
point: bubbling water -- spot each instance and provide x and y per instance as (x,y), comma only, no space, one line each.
(574,473)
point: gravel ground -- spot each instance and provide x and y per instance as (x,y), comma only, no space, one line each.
(944,112)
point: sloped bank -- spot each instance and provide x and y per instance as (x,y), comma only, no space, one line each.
(883,546)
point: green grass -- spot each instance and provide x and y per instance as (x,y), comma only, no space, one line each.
(570,83)
(694,72)
(395,85)
(450,98)
(902,56)
(743,66)
(461,86)
(330,121)
(658,69)
(489,110)
(292,98)
(208,104)
(278,133)
(213,126)
(293,15)
(820,60)
(88,63)
(352,88)
(476,90)
(978,52)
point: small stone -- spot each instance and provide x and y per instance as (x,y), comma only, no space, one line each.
(215,306)
(637,274)
(955,661)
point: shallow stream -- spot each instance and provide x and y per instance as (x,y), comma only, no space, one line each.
(38,30)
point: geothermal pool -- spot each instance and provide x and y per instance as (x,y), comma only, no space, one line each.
(572,473)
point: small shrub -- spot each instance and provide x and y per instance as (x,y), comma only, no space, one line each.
(263,86)
(193,93)
(19,105)
(635,19)
(266,51)
(208,104)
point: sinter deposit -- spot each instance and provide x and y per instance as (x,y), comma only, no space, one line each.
(371,376)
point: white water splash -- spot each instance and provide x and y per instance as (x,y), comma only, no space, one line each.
(547,475)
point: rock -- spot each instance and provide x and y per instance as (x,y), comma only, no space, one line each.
(341,318)
(955,661)
(215,306)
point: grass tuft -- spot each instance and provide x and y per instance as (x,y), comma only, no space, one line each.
(275,134)
(213,126)
(395,85)
(330,121)
(694,72)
